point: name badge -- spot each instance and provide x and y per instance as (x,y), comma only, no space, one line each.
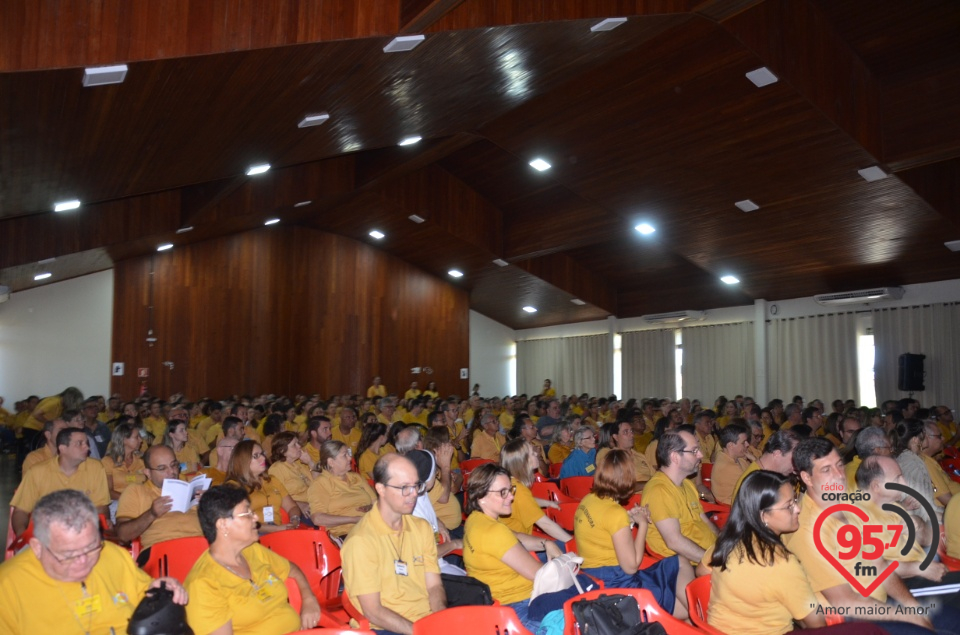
(264,594)
(400,567)
(268,514)
(87,606)
(590,468)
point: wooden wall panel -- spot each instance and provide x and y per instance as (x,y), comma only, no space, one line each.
(285,311)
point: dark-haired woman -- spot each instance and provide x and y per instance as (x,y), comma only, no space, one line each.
(910,438)
(372,439)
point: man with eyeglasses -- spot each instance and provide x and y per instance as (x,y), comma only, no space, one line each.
(143,513)
(69,580)
(777,456)
(944,487)
(390,567)
(868,442)
(679,525)
(70,469)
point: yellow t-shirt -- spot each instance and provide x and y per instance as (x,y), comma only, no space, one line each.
(47,477)
(336,497)
(820,572)
(948,430)
(666,500)
(752,599)
(850,469)
(951,520)
(724,478)
(352,439)
(137,499)
(369,564)
(558,453)
(258,606)
(642,441)
(123,476)
(49,407)
(365,465)
(420,418)
(449,513)
(188,458)
(376,391)
(486,447)
(33,602)
(708,445)
(312,451)
(270,494)
(37,456)
(651,453)
(413,393)
(879,516)
(213,435)
(941,482)
(157,426)
(753,467)
(296,478)
(642,470)
(594,524)
(525,511)
(549,392)
(432,394)
(485,541)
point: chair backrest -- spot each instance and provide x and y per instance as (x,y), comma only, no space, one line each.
(706,470)
(564,515)
(633,502)
(293,594)
(353,612)
(476,620)
(576,486)
(650,611)
(549,491)
(718,513)
(317,556)
(555,470)
(176,557)
(698,600)
(15,544)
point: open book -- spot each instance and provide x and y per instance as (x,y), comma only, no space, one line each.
(184,494)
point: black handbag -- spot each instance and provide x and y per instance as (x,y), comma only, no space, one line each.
(613,614)
(462,590)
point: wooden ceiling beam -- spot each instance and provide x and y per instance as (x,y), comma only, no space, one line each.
(417,16)
(567,274)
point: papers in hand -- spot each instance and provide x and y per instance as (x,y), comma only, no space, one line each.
(184,494)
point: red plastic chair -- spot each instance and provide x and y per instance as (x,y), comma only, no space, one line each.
(706,471)
(633,502)
(717,512)
(555,470)
(293,594)
(546,490)
(951,467)
(15,544)
(470,465)
(698,599)
(317,556)
(952,564)
(576,486)
(176,557)
(952,453)
(471,619)
(354,613)
(650,611)
(564,515)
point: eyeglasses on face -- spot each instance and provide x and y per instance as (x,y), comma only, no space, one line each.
(791,506)
(695,451)
(246,514)
(406,490)
(173,467)
(257,455)
(506,491)
(68,560)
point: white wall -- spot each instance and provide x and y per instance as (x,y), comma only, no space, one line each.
(492,356)
(57,335)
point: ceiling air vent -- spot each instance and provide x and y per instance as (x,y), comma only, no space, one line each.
(673,318)
(860,297)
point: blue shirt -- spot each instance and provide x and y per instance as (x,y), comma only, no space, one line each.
(579,463)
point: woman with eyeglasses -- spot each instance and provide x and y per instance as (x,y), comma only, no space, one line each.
(582,461)
(238,586)
(293,466)
(499,557)
(338,497)
(248,470)
(561,444)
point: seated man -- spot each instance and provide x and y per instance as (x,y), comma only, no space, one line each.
(69,577)
(944,487)
(729,462)
(680,525)
(777,456)
(390,567)
(821,471)
(49,450)
(704,423)
(871,441)
(488,442)
(143,513)
(223,450)
(71,469)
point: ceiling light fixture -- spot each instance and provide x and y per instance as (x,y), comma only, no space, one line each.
(377,234)
(46,261)
(578,301)
(607,25)
(540,165)
(313,120)
(302,203)
(454,273)
(184,230)
(728,279)
(762,77)
(42,276)
(165,247)
(530,309)
(746,205)
(952,245)
(271,221)
(873,173)
(104,75)
(416,218)
(403,43)
(409,141)
(253,170)
(500,262)
(645,228)
(66,206)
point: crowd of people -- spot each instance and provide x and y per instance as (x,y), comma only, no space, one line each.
(384,476)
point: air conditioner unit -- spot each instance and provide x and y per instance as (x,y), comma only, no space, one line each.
(859,297)
(675,317)
(4,293)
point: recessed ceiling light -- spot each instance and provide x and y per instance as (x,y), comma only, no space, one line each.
(66,206)
(258,169)
(46,261)
(607,25)
(454,273)
(539,164)
(645,228)
(271,221)
(165,247)
(302,203)
(762,77)
(953,245)
(730,279)
(184,230)
(578,301)
(104,75)
(747,205)
(500,262)
(403,43)
(42,276)
(313,120)
(873,173)
(416,218)
(409,141)
(530,309)
(377,234)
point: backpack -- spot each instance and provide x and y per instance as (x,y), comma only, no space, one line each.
(612,614)
(462,590)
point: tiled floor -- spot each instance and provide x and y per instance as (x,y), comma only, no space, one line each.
(8,483)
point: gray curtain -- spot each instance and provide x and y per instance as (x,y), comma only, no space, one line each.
(574,364)
(649,364)
(815,357)
(718,360)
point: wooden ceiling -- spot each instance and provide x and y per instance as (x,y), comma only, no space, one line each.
(653,121)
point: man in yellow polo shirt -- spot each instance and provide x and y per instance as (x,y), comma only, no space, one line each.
(143,513)
(71,469)
(49,450)
(680,525)
(777,456)
(488,442)
(944,487)
(704,422)
(390,567)
(69,580)
(377,389)
(347,431)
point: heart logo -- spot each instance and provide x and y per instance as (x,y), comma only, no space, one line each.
(832,558)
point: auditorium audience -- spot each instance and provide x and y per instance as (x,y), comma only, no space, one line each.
(248,470)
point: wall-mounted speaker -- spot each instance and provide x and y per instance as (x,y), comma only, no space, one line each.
(910,377)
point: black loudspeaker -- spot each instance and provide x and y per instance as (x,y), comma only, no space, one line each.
(910,377)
